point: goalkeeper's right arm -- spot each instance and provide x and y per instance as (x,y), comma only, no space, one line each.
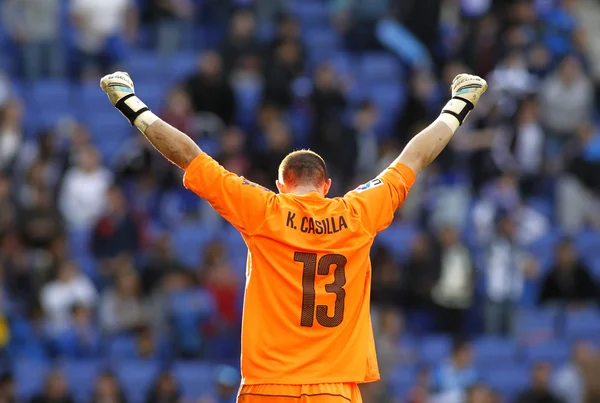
(428,144)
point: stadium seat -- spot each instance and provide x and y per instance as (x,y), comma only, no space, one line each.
(81,375)
(324,38)
(397,238)
(137,377)
(248,96)
(490,351)
(508,381)
(144,66)
(180,66)
(434,349)
(194,377)
(189,240)
(555,352)
(400,381)
(29,377)
(310,13)
(582,324)
(535,325)
(379,67)
(189,310)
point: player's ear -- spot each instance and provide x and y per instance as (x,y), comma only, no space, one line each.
(280,186)
(326,186)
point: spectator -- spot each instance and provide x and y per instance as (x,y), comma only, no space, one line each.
(43,149)
(100,42)
(328,102)
(567,99)
(539,391)
(577,189)
(11,133)
(569,281)
(162,262)
(83,195)
(170,18)
(211,94)
(367,143)
(149,346)
(288,30)
(7,389)
(220,280)
(107,389)
(233,156)
(227,384)
(507,266)
(178,111)
(278,144)
(455,375)
(116,232)
(419,393)
(35,27)
(55,390)
(281,71)
(164,390)
(121,307)
(388,340)
(81,338)
(69,288)
(568,382)
(8,209)
(479,394)
(241,46)
(454,292)
(521,147)
(41,223)
(422,271)
(387,286)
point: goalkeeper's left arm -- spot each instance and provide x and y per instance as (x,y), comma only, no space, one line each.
(176,146)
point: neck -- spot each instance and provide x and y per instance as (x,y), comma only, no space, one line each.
(302,190)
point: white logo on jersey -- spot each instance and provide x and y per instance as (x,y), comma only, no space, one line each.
(369,185)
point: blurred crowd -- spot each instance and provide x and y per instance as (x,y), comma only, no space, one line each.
(103,254)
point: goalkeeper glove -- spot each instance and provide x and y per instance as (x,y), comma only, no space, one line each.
(121,93)
(466,91)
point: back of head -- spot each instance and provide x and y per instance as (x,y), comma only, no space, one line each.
(302,168)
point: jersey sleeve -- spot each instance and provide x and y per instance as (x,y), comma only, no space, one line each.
(241,202)
(377,201)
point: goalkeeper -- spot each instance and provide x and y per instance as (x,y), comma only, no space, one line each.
(306,327)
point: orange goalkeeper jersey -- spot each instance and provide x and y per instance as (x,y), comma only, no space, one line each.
(306,313)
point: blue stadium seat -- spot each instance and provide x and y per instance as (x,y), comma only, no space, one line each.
(92,98)
(181,66)
(137,378)
(29,377)
(555,352)
(50,92)
(433,349)
(379,67)
(248,96)
(81,375)
(398,239)
(310,13)
(543,249)
(122,348)
(189,240)
(508,381)
(490,351)
(400,381)
(324,38)
(582,324)
(144,66)
(152,92)
(195,378)
(535,325)
(588,243)
(189,310)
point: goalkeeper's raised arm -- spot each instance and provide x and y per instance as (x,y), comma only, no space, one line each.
(176,146)
(428,144)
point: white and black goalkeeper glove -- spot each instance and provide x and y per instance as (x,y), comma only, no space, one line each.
(121,93)
(466,91)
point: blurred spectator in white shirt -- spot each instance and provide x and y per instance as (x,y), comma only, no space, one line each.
(83,194)
(102,29)
(59,296)
(35,26)
(568,381)
(11,133)
(567,100)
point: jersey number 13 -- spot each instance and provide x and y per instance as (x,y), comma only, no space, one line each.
(322,268)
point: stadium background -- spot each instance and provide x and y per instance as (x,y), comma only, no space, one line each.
(120,286)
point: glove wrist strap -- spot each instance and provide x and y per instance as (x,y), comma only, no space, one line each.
(131,107)
(459,108)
